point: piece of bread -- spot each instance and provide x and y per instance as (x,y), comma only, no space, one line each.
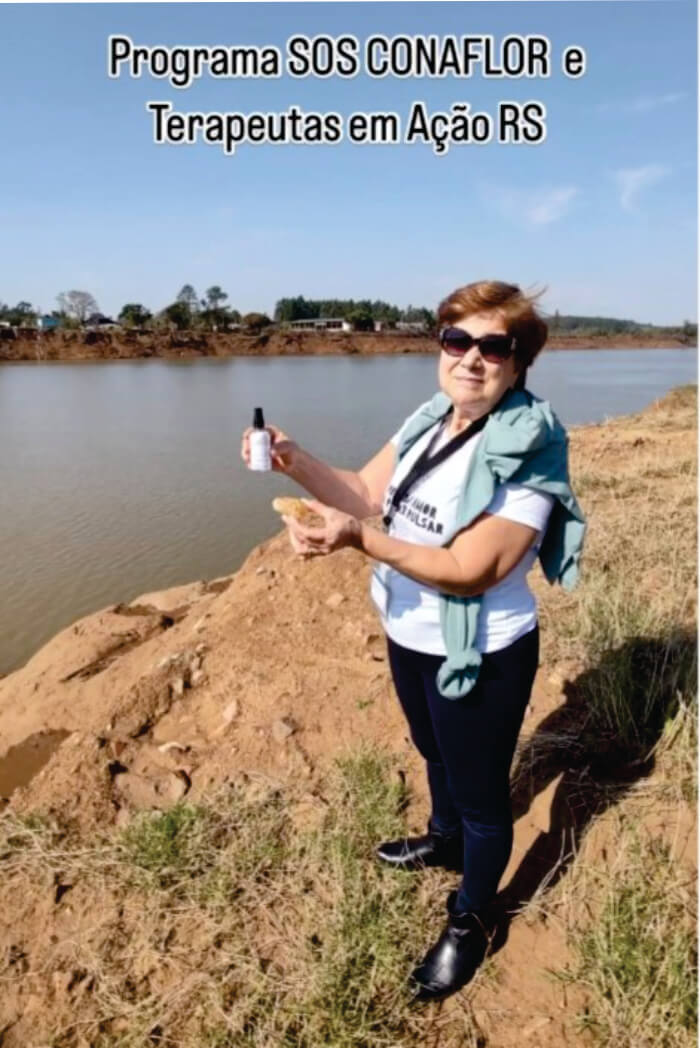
(290,506)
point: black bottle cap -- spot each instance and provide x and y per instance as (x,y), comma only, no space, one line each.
(258,420)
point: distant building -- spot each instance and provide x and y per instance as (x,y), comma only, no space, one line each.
(47,323)
(102,323)
(411,325)
(321,324)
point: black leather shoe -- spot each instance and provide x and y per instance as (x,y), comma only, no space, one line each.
(455,957)
(433,849)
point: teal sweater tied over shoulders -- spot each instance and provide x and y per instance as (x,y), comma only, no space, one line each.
(524,442)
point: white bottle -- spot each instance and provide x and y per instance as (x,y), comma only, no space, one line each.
(259,443)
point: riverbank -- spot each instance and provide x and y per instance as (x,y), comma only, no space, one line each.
(125,345)
(250,910)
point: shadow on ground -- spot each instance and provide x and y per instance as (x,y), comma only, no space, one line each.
(597,767)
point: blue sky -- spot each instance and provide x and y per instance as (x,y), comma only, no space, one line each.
(603,212)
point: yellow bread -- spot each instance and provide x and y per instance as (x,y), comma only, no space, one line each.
(290,506)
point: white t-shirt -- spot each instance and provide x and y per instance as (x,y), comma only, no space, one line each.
(409,610)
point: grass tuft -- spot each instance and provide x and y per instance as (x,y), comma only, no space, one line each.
(162,843)
(638,959)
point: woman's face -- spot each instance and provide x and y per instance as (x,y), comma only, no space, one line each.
(475,385)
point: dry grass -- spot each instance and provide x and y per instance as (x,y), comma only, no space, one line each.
(630,913)
(626,902)
(222,924)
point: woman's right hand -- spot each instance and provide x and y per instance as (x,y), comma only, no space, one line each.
(283,451)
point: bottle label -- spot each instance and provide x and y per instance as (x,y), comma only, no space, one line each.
(260,451)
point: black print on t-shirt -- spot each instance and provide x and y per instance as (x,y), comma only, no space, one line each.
(420,513)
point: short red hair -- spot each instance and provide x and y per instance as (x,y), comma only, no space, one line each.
(517,309)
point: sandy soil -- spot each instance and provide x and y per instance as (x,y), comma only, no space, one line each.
(139,705)
(105,345)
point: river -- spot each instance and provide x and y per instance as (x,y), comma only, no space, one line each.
(122,477)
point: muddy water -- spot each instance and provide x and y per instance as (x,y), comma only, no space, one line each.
(123,477)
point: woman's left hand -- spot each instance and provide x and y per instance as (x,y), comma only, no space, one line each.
(339,530)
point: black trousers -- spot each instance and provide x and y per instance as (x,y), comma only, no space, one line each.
(468,746)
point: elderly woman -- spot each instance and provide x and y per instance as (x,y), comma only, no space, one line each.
(473,488)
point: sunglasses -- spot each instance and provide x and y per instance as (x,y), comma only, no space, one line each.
(494,348)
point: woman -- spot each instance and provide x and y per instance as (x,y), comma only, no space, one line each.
(473,487)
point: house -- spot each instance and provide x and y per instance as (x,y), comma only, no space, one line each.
(102,323)
(47,323)
(417,326)
(321,324)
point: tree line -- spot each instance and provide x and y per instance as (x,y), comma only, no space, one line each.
(211,313)
(188,311)
(575,325)
(361,314)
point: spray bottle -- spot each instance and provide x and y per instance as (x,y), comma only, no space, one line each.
(259,443)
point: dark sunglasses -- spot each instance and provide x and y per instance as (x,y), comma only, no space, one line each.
(494,348)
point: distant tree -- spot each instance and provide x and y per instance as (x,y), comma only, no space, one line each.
(22,315)
(361,319)
(187,313)
(133,314)
(412,314)
(385,312)
(297,308)
(596,325)
(430,320)
(213,297)
(213,314)
(419,315)
(77,304)
(300,308)
(188,296)
(216,319)
(255,321)
(179,314)
(689,329)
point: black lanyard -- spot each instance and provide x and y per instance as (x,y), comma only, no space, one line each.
(425,462)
